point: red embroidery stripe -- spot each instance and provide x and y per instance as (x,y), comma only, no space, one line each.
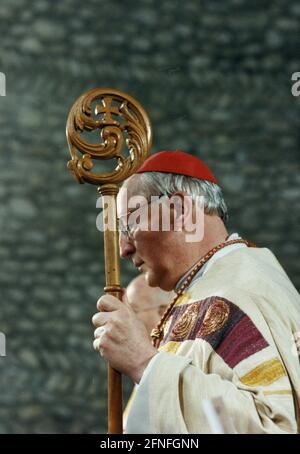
(242,341)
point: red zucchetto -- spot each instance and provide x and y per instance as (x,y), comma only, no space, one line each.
(177,162)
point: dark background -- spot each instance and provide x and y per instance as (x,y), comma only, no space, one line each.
(215,79)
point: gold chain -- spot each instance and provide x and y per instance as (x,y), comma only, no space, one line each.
(157,333)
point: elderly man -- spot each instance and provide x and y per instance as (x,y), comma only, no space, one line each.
(230,331)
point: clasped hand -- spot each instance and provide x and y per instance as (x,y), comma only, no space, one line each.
(121,338)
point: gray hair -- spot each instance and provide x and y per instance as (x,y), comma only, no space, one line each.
(157,183)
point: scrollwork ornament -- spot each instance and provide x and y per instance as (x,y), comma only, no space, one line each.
(121,121)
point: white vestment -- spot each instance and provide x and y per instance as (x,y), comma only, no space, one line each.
(233,334)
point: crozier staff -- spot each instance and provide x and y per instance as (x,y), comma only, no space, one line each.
(119,120)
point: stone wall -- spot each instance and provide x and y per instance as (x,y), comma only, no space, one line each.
(215,78)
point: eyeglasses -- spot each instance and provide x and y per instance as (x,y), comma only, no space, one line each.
(128,228)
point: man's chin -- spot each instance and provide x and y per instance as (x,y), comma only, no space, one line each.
(151,279)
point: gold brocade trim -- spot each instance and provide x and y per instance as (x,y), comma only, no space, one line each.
(183,299)
(264,374)
(216,316)
(186,322)
(170,347)
(167,326)
(279,391)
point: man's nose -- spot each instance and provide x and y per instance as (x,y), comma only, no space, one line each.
(126,247)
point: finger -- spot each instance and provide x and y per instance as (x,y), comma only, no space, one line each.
(99,332)
(100,318)
(108,303)
(96,344)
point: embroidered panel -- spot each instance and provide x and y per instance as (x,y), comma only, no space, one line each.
(229,331)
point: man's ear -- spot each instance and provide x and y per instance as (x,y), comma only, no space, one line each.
(183,209)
